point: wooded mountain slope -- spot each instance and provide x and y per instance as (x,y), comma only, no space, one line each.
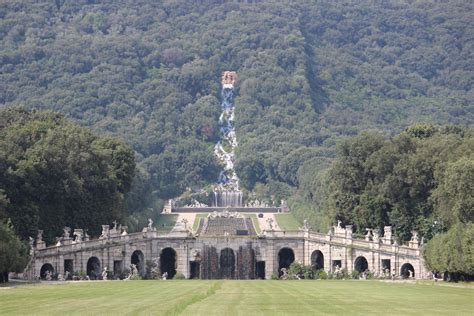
(309,73)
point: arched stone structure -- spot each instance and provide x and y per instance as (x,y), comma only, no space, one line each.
(138,259)
(168,261)
(254,257)
(405,271)
(317,260)
(361,264)
(227,264)
(93,268)
(286,256)
(44,268)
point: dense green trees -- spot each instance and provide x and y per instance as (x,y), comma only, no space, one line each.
(421,179)
(13,252)
(411,181)
(56,174)
(452,252)
(309,73)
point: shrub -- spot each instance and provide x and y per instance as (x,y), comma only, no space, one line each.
(135,277)
(370,275)
(275,276)
(179,276)
(79,275)
(124,274)
(298,270)
(321,274)
(355,274)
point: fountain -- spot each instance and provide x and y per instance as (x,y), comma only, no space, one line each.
(227,193)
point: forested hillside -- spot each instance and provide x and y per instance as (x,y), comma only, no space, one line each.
(310,73)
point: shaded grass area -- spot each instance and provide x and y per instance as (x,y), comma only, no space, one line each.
(254,218)
(237,297)
(165,222)
(287,221)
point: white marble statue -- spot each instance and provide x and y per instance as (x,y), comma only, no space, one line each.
(104,274)
(150,224)
(66,232)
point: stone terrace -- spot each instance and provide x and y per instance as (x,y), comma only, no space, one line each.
(219,226)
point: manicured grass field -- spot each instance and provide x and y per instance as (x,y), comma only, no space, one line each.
(165,222)
(287,221)
(194,297)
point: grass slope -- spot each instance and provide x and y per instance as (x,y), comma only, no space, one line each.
(165,222)
(237,297)
(287,221)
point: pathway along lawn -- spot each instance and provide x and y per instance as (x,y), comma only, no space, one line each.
(194,297)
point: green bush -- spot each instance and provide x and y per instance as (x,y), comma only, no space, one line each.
(79,275)
(297,269)
(321,274)
(179,276)
(355,274)
(275,276)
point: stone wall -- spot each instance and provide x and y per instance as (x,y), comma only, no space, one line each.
(115,252)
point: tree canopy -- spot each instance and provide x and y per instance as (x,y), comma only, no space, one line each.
(56,173)
(13,252)
(309,73)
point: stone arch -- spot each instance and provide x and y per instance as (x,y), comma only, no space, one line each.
(138,259)
(168,260)
(44,268)
(361,264)
(286,256)
(317,260)
(227,264)
(93,268)
(405,271)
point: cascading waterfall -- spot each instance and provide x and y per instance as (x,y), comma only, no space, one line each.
(227,193)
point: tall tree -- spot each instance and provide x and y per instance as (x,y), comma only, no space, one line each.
(59,174)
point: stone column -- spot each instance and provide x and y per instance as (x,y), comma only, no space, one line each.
(270,266)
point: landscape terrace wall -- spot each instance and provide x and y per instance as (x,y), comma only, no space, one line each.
(266,247)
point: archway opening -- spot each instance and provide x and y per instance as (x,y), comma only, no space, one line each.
(286,256)
(317,260)
(68,268)
(93,268)
(168,262)
(260,270)
(361,264)
(138,259)
(227,263)
(195,269)
(45,268)
(407,271)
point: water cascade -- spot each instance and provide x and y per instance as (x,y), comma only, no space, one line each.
(227,193)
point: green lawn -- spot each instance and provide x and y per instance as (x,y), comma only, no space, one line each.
(165,222)
(198,218)
(287,221)
(194,297)
(254,218)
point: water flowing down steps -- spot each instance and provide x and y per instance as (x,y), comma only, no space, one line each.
(227,192)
